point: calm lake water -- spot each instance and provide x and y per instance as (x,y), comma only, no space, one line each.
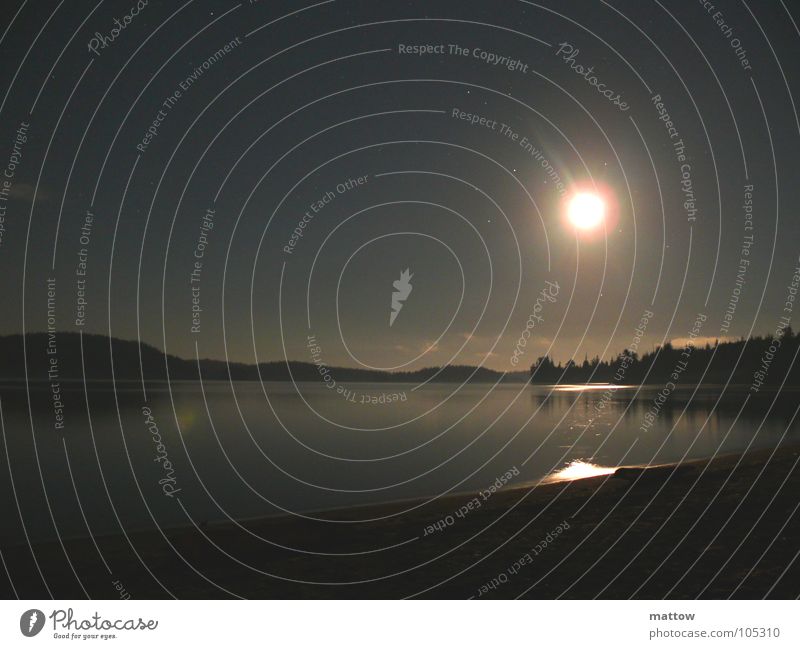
(271,449)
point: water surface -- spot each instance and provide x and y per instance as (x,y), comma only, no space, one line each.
(246,450)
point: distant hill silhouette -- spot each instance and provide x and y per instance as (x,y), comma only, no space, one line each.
(663,364)
(97,361)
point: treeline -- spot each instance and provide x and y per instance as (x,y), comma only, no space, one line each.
(757,360)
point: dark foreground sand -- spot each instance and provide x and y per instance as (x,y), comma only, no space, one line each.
(702,529)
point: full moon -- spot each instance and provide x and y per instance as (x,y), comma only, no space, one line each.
(586,210)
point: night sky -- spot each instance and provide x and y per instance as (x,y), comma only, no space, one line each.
(198,137)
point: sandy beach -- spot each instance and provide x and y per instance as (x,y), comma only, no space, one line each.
(711,529)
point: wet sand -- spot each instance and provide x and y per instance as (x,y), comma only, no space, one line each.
(718,529)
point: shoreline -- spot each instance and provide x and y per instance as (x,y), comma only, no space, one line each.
(637,532)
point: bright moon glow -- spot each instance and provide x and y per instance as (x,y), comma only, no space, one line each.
(586,211)
(578,469)
(589,386)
